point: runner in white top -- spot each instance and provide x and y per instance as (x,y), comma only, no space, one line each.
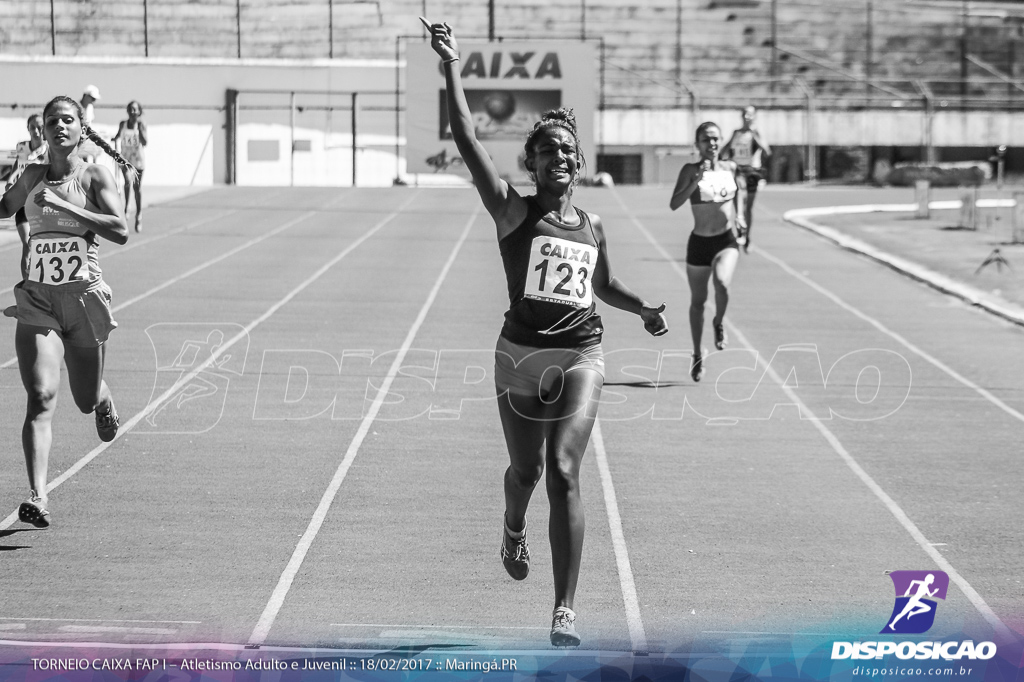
(32,150)
(747,147)
(131,141)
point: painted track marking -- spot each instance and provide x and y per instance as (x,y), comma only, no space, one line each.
(280,593)
(976,599)
(185,379)
(891,334)
(202,266)
(637,636)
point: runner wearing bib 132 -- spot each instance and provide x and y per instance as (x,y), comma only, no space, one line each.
(64,290)
(63,305)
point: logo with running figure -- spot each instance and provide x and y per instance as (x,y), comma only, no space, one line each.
(195,363)
(916,592)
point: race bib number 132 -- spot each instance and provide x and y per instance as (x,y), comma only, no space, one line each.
(561,271)
(58,260)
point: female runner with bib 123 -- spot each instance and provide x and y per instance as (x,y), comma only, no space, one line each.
(712,250)
(556,260)
(63,304)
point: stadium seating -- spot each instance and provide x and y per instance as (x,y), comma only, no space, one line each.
(654,51)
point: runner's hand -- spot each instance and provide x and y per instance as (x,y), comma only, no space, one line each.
(47,197)
(654,321)
(442,39)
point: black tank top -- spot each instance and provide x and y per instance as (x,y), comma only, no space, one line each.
(549,267)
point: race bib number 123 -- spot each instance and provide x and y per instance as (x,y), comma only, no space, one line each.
(561,271)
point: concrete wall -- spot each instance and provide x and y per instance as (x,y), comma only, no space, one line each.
(183,101)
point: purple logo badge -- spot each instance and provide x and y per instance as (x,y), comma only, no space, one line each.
(916,592)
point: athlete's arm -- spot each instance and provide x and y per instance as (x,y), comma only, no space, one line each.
(765,149)
(100,187)
(609,289)
(689,176)
(726,151)
(141,125)
(17,194)
(503,203)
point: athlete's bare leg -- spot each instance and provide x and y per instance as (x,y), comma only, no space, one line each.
(553,435)
(39,353)
(85,376)
(722,269)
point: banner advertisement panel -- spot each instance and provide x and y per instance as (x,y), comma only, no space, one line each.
(508,86)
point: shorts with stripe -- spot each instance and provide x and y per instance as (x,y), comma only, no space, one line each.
(530,371)
(78,311)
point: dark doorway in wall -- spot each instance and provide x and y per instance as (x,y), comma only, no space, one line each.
(625,169)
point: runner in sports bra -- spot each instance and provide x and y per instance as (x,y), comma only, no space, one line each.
(712,250)
(556,262)
(63,305)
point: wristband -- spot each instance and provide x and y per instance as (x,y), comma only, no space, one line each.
(449,61)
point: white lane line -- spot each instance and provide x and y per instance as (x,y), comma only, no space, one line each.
(115,629)
(144,242)
(436,627)
(893,335)
(188,273)
(979,603)
(637,636)
(947,285)
(266,621)
(101,620)
(146,239)
(185,379)
(182,646)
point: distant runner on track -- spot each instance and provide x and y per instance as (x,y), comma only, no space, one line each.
(712,250)
(549,367)
(747,147)
(63,304)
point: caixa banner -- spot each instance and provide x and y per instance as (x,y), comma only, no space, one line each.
(508,86)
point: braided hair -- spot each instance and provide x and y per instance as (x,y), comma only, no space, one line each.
(563,118)
(131,175)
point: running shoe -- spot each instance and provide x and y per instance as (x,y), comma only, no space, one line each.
(697,366)
(563,628)
(721,339)
(34,512)
(107,422)
(515,554)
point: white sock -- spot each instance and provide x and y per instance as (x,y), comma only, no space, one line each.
(516,535)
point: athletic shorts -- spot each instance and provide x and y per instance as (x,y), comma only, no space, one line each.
(79,311)
(529,371)
(702,250)
(752,176)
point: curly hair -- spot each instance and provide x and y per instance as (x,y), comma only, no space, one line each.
(563,118)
